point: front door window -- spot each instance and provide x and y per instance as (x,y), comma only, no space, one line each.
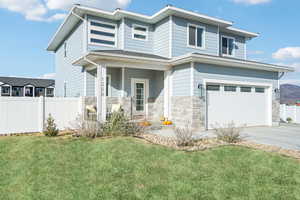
(140,96)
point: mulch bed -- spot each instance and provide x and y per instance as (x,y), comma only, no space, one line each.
(208,143)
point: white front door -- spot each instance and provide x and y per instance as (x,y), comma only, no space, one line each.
(242,104)
(139,90)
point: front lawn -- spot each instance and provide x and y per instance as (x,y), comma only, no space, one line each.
(125,168)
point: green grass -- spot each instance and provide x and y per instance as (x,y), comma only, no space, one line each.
(125,168)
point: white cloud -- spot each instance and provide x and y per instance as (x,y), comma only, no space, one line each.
(39,10)
(48,76)
(251,2)
(287,53)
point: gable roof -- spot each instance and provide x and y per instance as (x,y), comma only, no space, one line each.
(79,11)
(16,81)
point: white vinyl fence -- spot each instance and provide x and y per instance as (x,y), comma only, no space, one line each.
(290,111)
(27,114)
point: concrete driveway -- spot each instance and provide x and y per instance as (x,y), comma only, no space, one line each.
(285,136)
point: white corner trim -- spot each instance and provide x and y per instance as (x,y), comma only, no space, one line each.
(123,82)
(123,33)
(192,78)
(170,36)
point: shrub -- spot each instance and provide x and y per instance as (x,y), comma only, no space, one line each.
(50,129)
(289,120)
(228,133)
(184,136)
(119,125)
(91,129)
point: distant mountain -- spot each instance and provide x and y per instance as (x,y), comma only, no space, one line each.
(289,93)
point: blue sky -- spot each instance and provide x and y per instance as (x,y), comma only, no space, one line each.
(27,27)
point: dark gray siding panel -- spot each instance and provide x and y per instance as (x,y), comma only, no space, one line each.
(65,71)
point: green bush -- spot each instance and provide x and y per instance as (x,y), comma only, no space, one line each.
(289,120)
(118,124)
(50,129)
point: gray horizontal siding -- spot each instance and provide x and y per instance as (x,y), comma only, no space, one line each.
(138,45)
(65,71)
(90,83)
(181,80)
(161,38)
(180,38)
(240,45)
(116,83)
(205,71)
(156,80)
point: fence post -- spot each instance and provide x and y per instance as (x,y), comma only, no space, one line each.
(81,106)
(41,104)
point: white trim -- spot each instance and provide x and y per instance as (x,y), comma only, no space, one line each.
(109,86)
(103,107)
(243,32)
(203,47)
(123,82)
(269,90)
(85,34)
(192,78)
(133,32)
(167,93)
(146,82)
(84,82)
(106,38)
(123,33)
(234,43)
(170,36)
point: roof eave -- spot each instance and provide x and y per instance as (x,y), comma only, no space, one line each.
(231,63)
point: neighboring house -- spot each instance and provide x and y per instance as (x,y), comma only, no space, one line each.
(185,66)
(26,87)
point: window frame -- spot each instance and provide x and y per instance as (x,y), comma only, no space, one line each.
(213,85)
(261,92)
(26,87)
(233,51)
(196,36)
(50,88)
(133,32)
(246,87)
(9,91)
(231,86)
(90,35)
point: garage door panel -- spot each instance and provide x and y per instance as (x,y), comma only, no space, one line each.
(242,108)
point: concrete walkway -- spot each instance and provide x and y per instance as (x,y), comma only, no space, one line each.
(285,136)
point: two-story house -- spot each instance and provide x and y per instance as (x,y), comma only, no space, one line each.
(185,66)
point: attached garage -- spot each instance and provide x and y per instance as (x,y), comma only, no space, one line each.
(245,104)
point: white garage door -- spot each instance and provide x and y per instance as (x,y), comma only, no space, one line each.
(244,105)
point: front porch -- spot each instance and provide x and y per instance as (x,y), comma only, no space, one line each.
(140,92)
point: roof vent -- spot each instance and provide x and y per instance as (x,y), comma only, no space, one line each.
(169,5)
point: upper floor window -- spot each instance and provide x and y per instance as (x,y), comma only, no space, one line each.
(196,36)
(228,46)
(139,32)
(5,90)
(102,33)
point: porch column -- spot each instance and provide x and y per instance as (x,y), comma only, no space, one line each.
(123,82)
(101,92)
(167,93)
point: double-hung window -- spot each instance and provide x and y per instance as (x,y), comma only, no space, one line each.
(196,36)
(139,32)
(102,33)
(228,44)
